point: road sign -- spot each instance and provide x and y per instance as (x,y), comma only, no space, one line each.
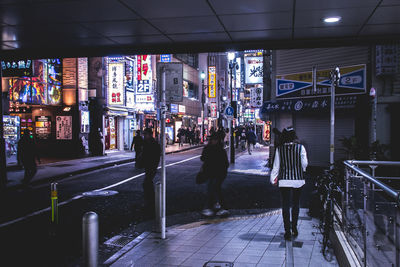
(173,80)
(229,112)
(300,85)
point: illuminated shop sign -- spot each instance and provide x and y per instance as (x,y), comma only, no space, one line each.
(144,99)
(174,108)
(42,87)
(20,68)
(144,74)
(213,107)
(181,109)
(165,58)
(116,84)
(254,70)
(211,82)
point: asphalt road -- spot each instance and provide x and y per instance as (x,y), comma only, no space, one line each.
(34,241)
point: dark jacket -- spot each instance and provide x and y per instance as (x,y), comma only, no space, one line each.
(215,161)
(251,137)
(137,143)
(27,152)
(151,154)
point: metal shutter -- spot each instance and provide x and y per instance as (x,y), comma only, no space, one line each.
(313,131)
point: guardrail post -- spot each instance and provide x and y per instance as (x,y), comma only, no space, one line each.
(365,222)
(54,203)
(90,239)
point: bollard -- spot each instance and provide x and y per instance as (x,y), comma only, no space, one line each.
(158,205)
(54,203)
(90,238)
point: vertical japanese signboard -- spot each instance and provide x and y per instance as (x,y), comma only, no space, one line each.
(211,82)
(213,108)
(83,78)
(144,74)
(254,70)
(64,127)
(116,84)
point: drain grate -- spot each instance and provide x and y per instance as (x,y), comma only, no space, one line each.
(118,241)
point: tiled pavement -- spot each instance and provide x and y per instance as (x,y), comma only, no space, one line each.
(252,164)
(244,241)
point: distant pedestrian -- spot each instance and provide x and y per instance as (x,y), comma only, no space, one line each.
(137,144)
(215,167)
(150,160)
(251,139)
(181,134)
(288,173)
(27,156)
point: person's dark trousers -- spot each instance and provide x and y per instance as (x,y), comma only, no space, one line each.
(148,191)
(214,192)
(30,171)
(287,194)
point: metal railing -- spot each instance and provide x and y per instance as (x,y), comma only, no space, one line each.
(371,214)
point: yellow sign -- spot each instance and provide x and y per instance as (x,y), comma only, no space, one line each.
(211,82)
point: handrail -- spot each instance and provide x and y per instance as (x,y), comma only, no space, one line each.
(374,162)
(387,189)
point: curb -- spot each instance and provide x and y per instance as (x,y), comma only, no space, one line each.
(102,166)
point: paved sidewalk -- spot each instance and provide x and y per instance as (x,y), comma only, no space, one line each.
(244,241)
(252,164)
(63,169)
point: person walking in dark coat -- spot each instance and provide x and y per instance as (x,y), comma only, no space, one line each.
(215,167)
(27,155)
(251,139)
(137,144)
(150,160)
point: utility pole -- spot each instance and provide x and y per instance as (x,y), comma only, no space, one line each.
(163,171)
(335,78)
(203,100)
(231,57)
(3,167)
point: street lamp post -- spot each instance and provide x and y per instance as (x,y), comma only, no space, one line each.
(203,100)
(232,65)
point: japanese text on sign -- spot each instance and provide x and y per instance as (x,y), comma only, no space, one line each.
(64,127)
(211,82)
(116,83)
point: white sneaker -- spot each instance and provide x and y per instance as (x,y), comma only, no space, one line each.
(207,212)
(222,212)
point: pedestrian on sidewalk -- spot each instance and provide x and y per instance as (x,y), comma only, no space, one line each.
(181,133)
(150,160)
(137,144)
(215,167)
(251,139)
(288,173)
(27,156)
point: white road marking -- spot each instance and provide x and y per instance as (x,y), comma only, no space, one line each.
(81,196)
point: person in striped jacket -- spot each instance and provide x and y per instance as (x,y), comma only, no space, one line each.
(290,163)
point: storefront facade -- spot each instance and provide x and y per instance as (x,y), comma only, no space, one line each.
(296,102)
(39,96)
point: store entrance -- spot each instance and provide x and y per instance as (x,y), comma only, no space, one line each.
(110,133)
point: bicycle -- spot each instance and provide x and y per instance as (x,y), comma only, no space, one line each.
(327,187)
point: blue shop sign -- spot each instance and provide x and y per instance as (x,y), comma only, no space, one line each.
(165,58)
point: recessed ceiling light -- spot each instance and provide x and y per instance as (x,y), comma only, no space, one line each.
(332,19)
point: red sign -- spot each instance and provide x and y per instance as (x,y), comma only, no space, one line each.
(213,107)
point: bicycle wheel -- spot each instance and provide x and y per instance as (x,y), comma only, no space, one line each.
(328,225)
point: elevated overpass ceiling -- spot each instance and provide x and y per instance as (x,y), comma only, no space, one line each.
(99,27)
